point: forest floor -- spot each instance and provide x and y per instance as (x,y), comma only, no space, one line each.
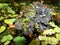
(11,34)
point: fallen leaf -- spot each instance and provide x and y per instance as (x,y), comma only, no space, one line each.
(2,28)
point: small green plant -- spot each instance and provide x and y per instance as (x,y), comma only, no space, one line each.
(6,39)
(19,40)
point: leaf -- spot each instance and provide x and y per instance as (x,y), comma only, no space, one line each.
(3,11)
(10,10)
(4,39)
(58,37)
(15,15)
(22,3)
(5,5)
(7,42)
(49,40)
(52,24)
(57,29)
(52,40)
(52,13)
(2,28)
(44,40)
(34,42)
(19,40)
(9,37)
(49,32)
(44,43)
(9,21)
(26,20)
(42,37)
(2,5)
(1,18)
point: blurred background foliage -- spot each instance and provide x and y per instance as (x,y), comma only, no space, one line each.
(46,1)
(55,3)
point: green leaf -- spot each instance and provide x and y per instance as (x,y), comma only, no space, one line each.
(3,5)
(15,15)
(9,21)
(10,10)
(49,32)
(52,40)
(44,40)
(52,24)
(57,29)
(44,43)
(3,11)
(18,37)
(34,42)
(4,39)
(19,40)
(49,40)
(1,18)
(9,37)
(27,20)
(58,37)
(2,28)
(7,42)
